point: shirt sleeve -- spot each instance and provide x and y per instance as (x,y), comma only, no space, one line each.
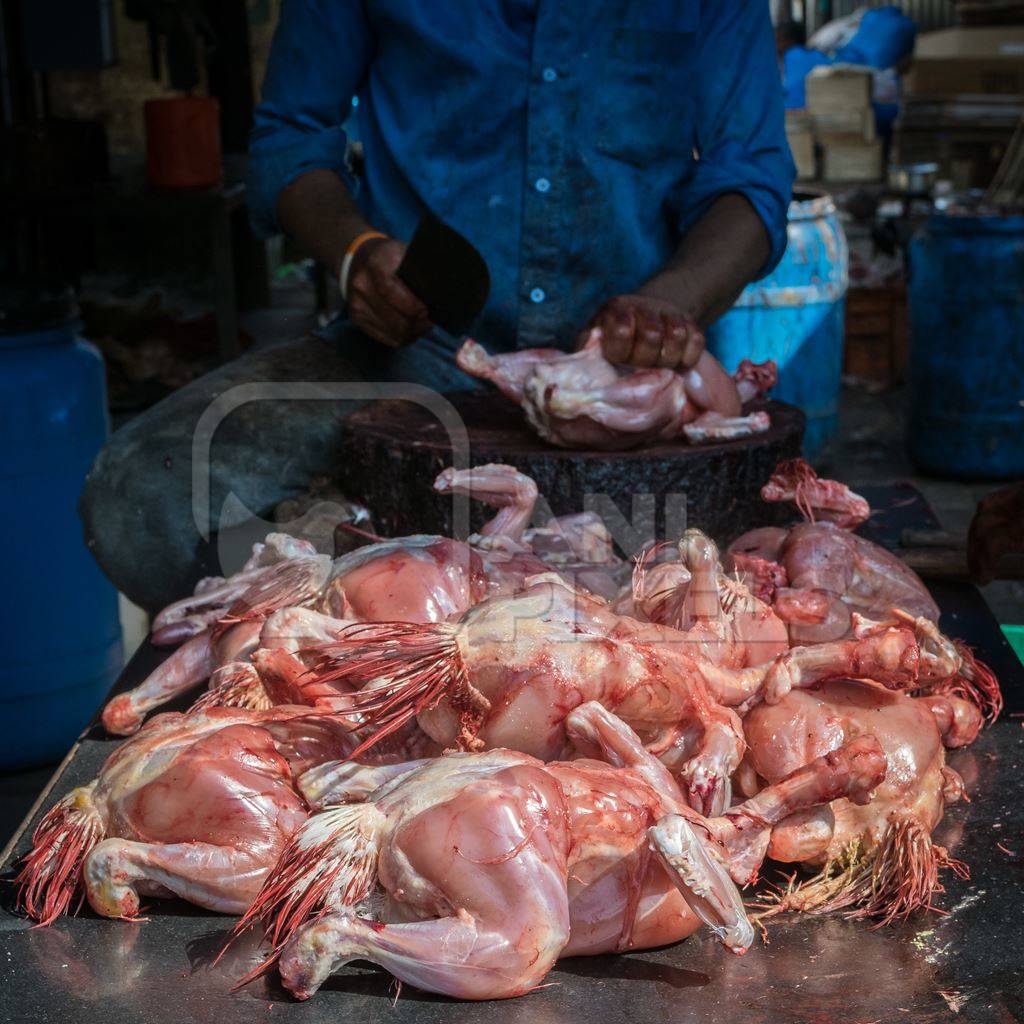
(318,60)
(740,119)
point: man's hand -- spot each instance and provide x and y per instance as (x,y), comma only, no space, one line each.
(643,331)
(996,530)
(378,302)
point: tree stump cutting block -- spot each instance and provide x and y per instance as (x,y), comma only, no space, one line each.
(394,449)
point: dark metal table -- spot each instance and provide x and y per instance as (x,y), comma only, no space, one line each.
(964,965)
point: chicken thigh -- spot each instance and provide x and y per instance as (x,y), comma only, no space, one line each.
(197,806)
(877,859)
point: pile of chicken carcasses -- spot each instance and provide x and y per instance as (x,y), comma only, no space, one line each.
(464,760)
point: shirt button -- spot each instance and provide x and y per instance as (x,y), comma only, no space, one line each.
(542,184)
(537,295)
(549,74)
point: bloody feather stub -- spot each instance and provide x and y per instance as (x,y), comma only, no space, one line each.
(816,499)
(50,880)
(406,668)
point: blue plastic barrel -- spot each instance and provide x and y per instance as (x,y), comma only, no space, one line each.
(59,632)
(966,372)
(795,316)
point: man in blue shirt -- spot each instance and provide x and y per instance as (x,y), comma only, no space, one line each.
(620,163)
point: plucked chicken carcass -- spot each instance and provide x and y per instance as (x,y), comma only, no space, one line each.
(493,562)
(820,569)
(581,400)
(819,575)
(432,579)
(877,859)
(511,670)
(470,875)
(425,577)
(420,578)
(197,806)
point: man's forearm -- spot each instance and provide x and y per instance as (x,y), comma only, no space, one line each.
(318,211)
(717,258)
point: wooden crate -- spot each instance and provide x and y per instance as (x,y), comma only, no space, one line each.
(838,87)
(876,334)
(851,158)
(854,122)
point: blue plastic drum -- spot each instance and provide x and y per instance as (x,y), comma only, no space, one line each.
(59,629)
(795,316)
(966,370)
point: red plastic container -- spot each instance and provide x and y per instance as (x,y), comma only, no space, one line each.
(183,142)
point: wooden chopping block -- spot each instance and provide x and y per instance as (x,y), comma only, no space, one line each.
(395,449)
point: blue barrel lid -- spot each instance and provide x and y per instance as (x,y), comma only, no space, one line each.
(976,224)
(811,204)
(28,308)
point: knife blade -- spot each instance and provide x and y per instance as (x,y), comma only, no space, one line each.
(446,272)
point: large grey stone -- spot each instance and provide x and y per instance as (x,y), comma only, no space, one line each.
(137,504)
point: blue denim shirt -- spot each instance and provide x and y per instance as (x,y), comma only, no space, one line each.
(572,141)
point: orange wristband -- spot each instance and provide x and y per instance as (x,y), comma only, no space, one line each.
(346,261)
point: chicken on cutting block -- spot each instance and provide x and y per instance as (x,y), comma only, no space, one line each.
(470,875)
(819,575)
(198,806)
(580,400)
(512,669)
(876,859)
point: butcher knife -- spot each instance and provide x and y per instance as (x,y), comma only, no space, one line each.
(446,272)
